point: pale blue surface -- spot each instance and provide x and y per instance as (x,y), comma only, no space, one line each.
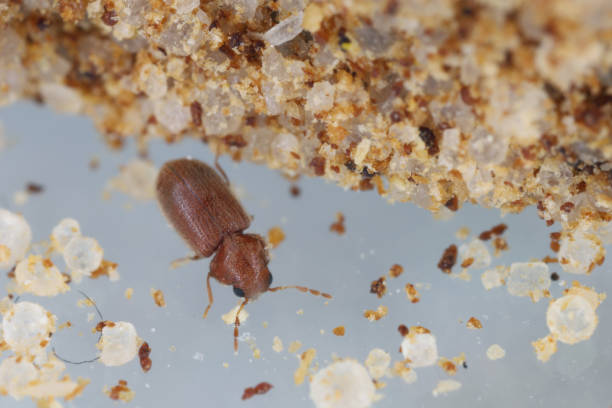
(54,150)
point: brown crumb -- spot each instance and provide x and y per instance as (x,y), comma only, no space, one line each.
(143,354)
(259,389)
(554,246)
(338,226)
(94,163)
(109,17)
(403,330)
(121,392)
(485,235)
(275,236)
(448,366)
(158,297)
(567,207)
(103,324)
(549,259)
(11,273)
(448,259)
(474,323)
(396,270)
(339,331)
(105,269)
(497,230)
(34,188)
(318,164)
(295,191)
(377,314)
(500,245)
(467,262)
(379,287)
(412,293)
(196,113)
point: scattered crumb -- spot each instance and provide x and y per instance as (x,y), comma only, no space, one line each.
(403,330)
(446,386)
(447,365)
(500,244)
(377,314)
(295,191)
(377,363)
(474,323)
(106,268)
(302,370)
(396,270)
(379,287)
(264,324)
(158,297)
(230,317)
(299,312)
(338,226)
(225,365)
(462,233)
(128,293)
(259,389)
(276,235)
(448,259)
(64,325)
(120,392)
(143,355)
(277,344)
(545,347)
(494,231)
(34,188)
(94,163)
(495,352)
(412,293)
(172,348)
(294,346)
(339,331)
(494,278)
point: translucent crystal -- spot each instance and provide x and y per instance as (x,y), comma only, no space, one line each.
(579,252)
(153,81)
(493,278)
(83,255)
(26,325)
(171,113)
(571,319)
(286,30)
(63,232)
(343,384)
(495,352)
(378,362)
(420,348)
(40,277)
(61,97)
(528,279)
(486,148)
(186,6)
(118,344)
(136,179)
(223,110)
(183,34)
(320,97)
(446,386)
(15,238)
(477,251)
(15,374)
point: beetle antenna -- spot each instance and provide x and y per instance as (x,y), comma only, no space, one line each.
(303,289)
(237,323)
(100,336)
(210,296)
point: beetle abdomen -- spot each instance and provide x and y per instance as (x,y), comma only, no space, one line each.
(199,205)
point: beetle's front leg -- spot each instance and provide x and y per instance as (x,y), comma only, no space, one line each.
(185,260)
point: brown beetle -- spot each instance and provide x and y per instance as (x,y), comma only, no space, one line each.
(200,206)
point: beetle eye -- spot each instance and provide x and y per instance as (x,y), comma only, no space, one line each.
(238,292)
(269,279)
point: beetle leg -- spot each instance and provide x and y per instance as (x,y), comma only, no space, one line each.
(220,170)
(182,261)
(237,323)
(210,296)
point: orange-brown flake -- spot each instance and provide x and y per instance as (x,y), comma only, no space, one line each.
(143,355)
(259,389)
(467,262)
(448,366)
(103,324)
(496,230)
(339,331)
(276,235)
(338,226)
(121,392)
(474,323)
(567,207)
(379,313)
(379,287)
(403,330)
(500,244)
(396,270)
(412,293)
(34,188)
(448,259)
(105,269)
(47,263)
(158,297)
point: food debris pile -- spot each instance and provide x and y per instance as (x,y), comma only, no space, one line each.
(427,103)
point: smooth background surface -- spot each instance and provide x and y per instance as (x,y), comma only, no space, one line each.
(55,150)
